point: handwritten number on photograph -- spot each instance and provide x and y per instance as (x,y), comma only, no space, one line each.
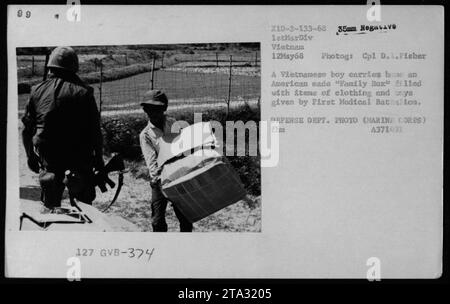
(20,14)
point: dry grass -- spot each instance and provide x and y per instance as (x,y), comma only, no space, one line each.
(133,205)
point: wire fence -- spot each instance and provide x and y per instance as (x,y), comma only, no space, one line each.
(202,79)
(29,66)
(208,81)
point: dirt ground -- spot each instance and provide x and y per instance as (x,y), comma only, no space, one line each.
(133,206)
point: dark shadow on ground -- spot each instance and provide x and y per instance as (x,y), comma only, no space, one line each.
(32,193)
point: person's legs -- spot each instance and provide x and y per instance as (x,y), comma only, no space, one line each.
(185,225)
(159,205)
(51,176)
(52,187)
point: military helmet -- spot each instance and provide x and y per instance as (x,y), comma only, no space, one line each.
(63,57)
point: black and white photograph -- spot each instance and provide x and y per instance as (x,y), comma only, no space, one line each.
(224,142)
(96,134)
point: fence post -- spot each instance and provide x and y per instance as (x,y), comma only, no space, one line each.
(100,87)
(217,60)
(152,74)
(47,56)
(256,59)
(126,58)
(162,61)
(32,65)
(229,85)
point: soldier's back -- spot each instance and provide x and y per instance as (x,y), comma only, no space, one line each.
(63,106)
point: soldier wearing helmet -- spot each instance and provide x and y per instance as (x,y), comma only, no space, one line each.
(62,130)
(154,105)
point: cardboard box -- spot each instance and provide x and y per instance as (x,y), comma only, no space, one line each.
(206,190)
(202,182)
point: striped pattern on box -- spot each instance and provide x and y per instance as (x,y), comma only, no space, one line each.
(206,190)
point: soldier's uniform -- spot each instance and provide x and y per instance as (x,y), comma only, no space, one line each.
(62,132)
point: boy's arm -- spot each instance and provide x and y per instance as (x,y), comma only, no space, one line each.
(150,156)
